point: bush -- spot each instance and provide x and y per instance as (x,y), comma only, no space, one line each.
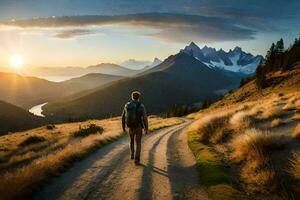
(50,127)
(32,140)
(91,129)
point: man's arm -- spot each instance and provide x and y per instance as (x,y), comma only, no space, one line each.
(144,117)
(123,121)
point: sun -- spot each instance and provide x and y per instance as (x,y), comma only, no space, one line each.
(16,61)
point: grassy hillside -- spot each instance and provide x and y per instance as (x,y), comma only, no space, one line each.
(251,138)
(29,159)
(180,79)
(13,118)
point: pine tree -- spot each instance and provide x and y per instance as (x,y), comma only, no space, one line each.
(279,46)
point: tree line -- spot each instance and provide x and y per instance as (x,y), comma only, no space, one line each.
(182,110)
(278,58)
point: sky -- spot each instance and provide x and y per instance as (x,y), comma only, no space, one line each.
(86,32)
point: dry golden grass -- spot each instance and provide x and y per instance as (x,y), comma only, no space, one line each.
(211,127)
(254,144)
(271,112)
(277,122)
(295,117)
(296,131)
(253,150)
(243,119)
(294,169)
(40,161)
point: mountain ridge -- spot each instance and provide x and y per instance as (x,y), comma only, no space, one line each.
(235,60)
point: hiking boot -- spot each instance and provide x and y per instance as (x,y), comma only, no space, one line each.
(137,162)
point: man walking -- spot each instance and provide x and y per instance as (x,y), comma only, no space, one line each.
(135,118)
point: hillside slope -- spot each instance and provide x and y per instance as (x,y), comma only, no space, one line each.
(278,82)
(250,140)
(88,81)
(180,79)
(27,91)
(13,118)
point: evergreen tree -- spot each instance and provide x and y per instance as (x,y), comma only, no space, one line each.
(279,46)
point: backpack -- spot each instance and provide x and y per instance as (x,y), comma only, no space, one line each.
(132,114)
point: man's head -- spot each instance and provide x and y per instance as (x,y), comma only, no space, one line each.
(135,95)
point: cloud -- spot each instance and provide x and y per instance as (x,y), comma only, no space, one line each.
(171,27)
(69,34)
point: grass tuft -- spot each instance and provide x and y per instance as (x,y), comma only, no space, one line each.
(32,140)
(253,151)
(86,131)
(296,132)
(294,169)
(277,122)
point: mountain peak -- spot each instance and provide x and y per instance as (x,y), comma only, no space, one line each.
(235,60)
(192,44)
(237,49)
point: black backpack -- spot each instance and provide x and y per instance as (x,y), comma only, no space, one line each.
(132,114)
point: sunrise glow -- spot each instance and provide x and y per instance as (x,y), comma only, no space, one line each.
(16,61)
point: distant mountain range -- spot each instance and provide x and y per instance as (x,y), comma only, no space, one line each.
(129,68)
(190,76)
(140,65)
(235,60)
(180,79)
(26,91)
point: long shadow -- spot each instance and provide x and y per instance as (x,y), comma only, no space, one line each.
(146,189)
(180,183)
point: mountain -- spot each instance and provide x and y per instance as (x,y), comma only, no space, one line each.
(65,73)
(14,118)
(88,81)
(112,69)
(180,79)
(135,64)
(140,64)
(154,63)
(26,91)
(235,60)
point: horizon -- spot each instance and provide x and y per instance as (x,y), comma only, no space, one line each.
(83,33)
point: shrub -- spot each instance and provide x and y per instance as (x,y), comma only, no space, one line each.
(50,127)
(32,140)
(91,129)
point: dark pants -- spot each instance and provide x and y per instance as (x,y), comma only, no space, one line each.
(136,133)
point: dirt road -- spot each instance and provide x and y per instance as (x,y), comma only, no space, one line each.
(167,171)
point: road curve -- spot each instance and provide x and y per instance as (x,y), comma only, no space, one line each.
(167,171)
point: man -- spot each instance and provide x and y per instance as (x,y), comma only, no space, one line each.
(135,118)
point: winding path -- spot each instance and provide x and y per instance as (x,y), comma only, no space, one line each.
(167,171)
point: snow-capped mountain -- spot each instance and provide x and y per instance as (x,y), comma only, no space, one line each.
(155,62)
(235,60)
